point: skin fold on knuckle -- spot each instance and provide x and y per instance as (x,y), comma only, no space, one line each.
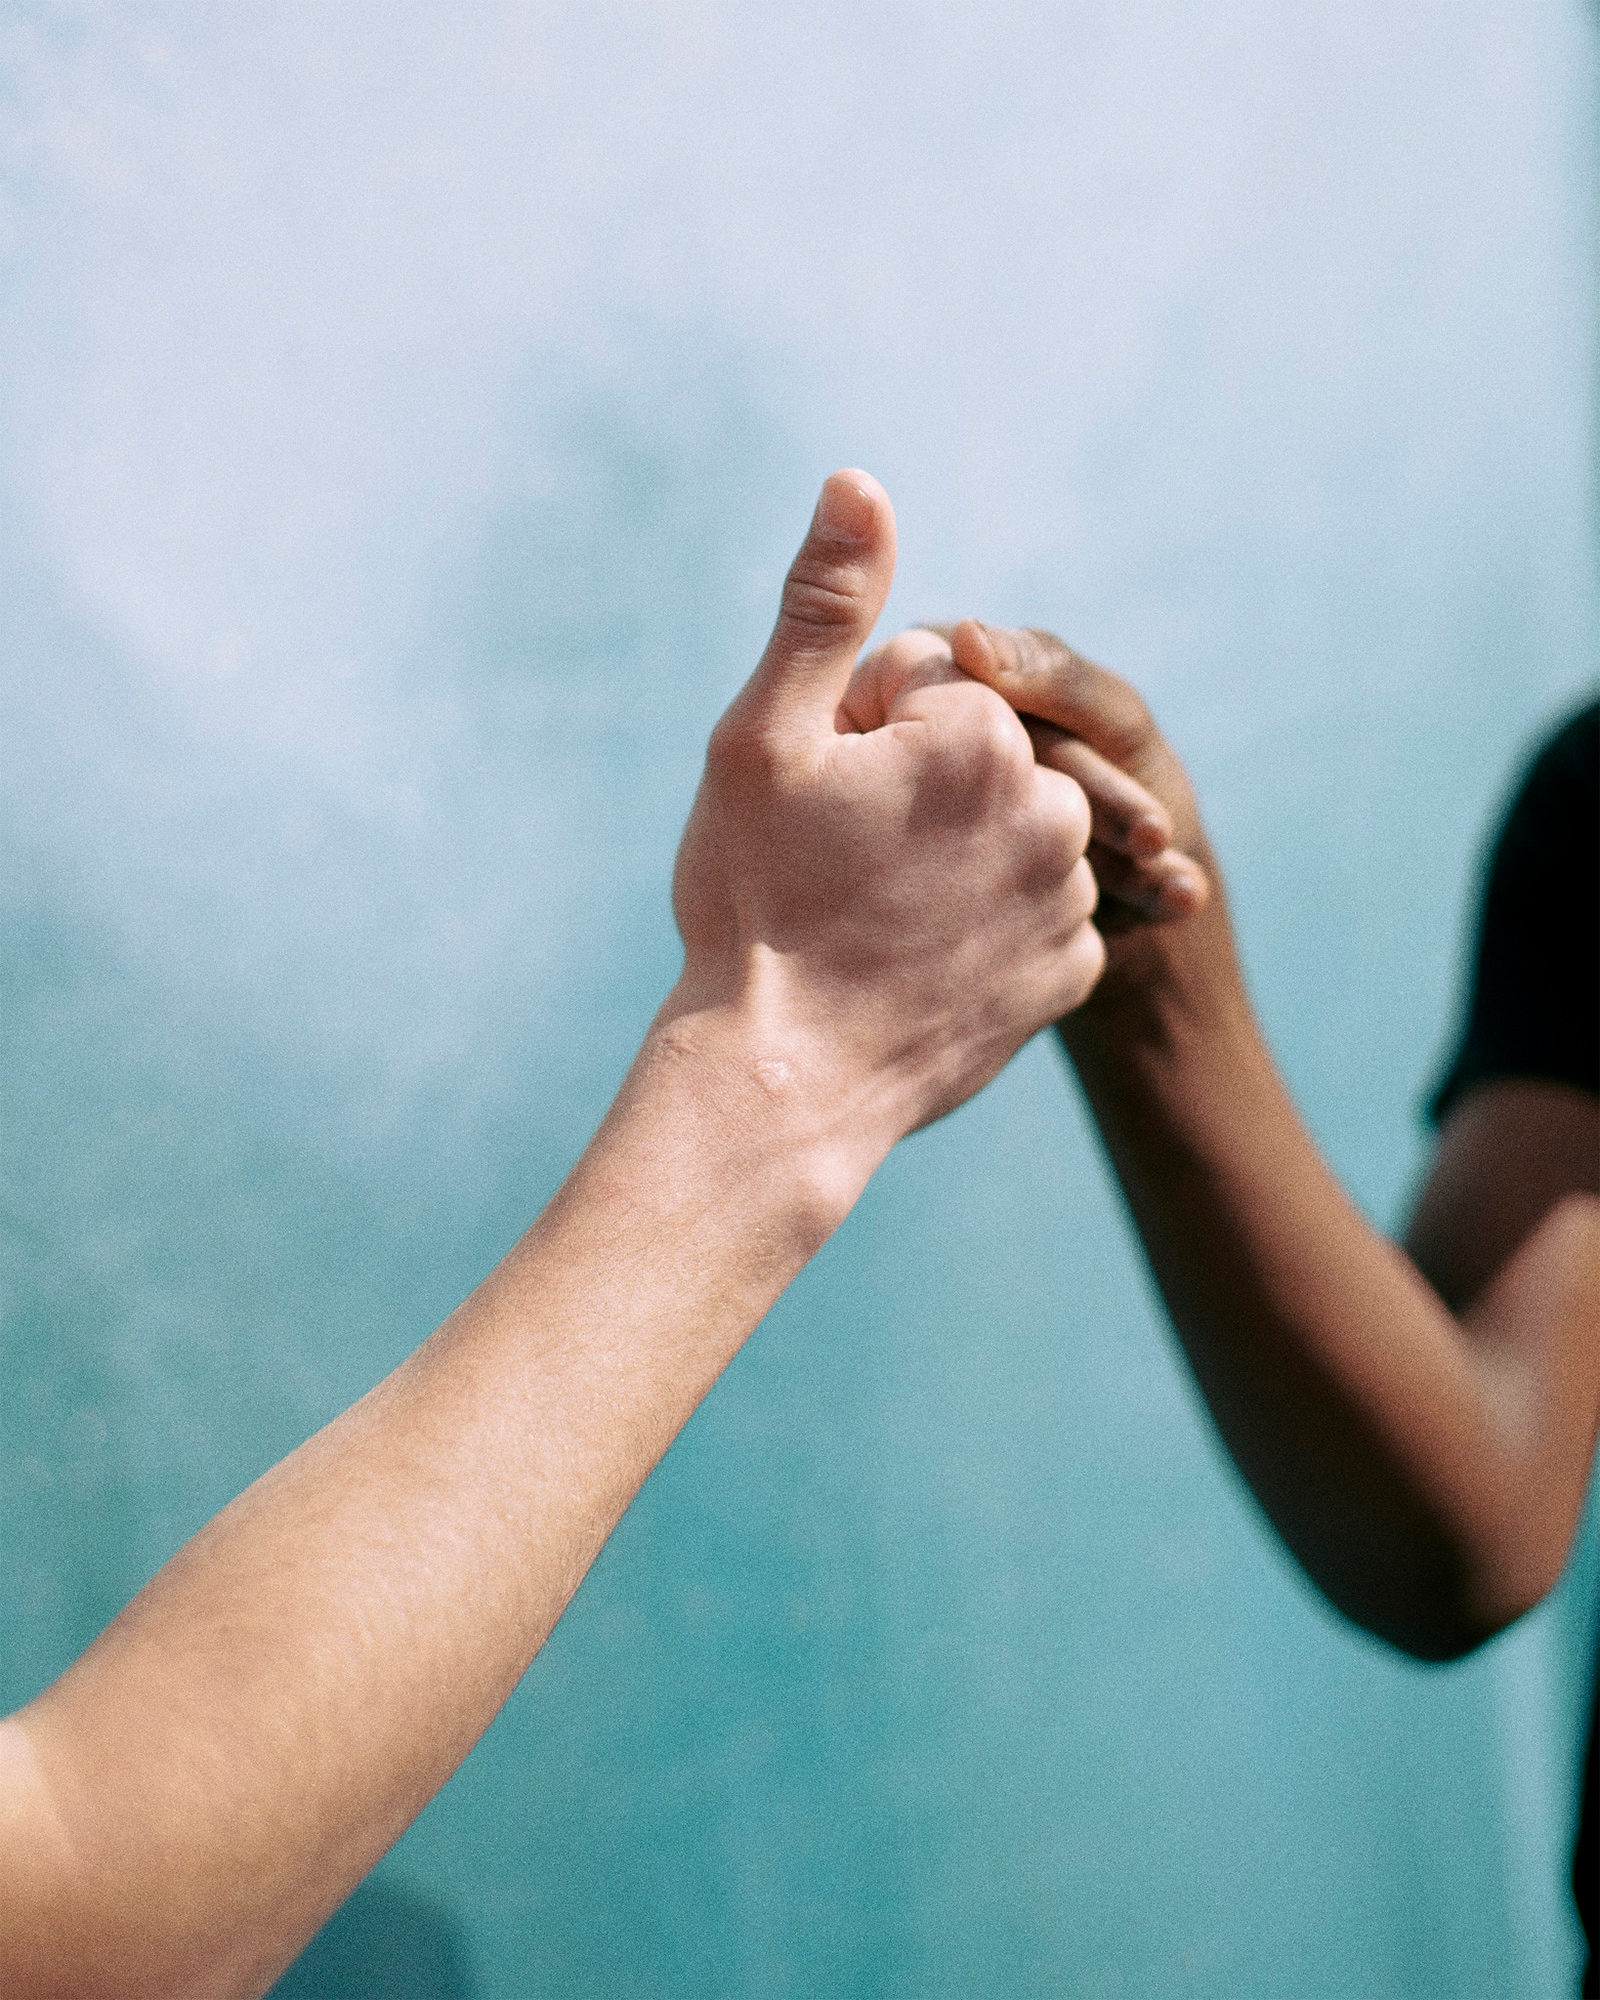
(822,598)
(905,681)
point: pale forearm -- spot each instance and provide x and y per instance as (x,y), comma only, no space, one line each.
(261,1723)
(874,919)
(1387,1440)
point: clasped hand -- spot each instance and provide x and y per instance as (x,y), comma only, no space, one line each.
(888,869)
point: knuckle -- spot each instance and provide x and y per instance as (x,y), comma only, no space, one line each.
(910,662)
(982,739)
(1083,891)
(1078,816)
(907,652)
(1086,956)
(996,730)
(1037,648)
(1002,751)
(903,650)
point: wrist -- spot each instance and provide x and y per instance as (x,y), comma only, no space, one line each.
(1172,993)
(768,1089)
(1177,1073)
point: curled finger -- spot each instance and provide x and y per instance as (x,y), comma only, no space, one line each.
(1163,889)
(1041,675)
(1127,817)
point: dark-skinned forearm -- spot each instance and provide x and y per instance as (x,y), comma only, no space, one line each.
(1386,1443)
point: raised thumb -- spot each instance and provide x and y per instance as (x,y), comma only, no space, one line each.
(832,596)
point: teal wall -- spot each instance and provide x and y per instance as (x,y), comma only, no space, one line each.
(405,417)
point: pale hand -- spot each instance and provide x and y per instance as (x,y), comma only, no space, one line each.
(884,880)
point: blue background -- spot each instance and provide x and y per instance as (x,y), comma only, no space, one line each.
(406,415)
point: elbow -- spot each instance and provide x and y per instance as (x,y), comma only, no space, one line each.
(1507,1581)
(1443,1618)
(1442,1643)
(1435,1634)
(1440,1597)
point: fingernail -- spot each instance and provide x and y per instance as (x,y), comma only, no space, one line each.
(997,659)
(1181,893)
(844,514)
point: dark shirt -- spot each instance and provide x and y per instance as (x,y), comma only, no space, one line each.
(1535,1012)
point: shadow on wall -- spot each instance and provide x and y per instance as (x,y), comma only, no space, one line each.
(387,1943)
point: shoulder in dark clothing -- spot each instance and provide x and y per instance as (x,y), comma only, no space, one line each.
(1535,1012)
(1535,1001)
